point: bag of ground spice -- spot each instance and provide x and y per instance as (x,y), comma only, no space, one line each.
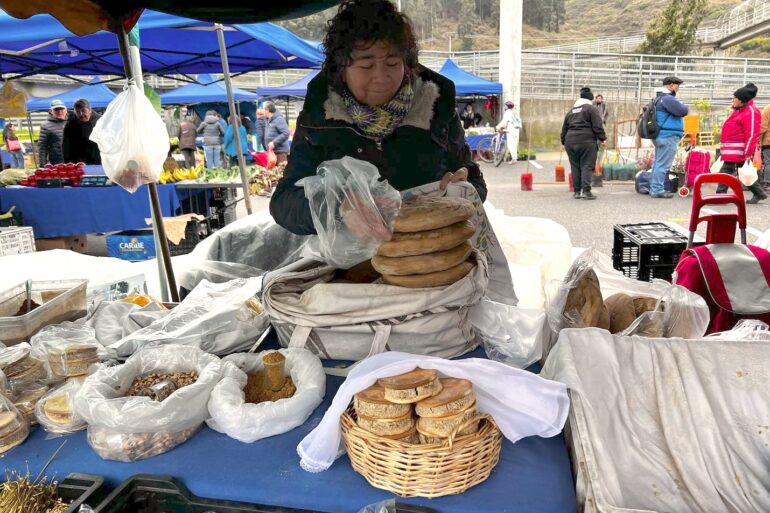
(244,405)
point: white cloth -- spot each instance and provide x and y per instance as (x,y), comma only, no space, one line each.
(522,403)
(670,424)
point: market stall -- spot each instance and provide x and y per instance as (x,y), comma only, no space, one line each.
(97,94)
(210,94)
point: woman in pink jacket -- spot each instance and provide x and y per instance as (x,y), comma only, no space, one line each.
(740,134)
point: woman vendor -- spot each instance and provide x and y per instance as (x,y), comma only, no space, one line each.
(373,101)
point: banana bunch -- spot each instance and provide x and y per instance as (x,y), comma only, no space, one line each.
(180,174)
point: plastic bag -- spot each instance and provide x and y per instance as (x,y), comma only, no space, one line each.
(55,411)
(747,174)
(510,335)
(131,428)
(352,210)
(745,329)
(272,159)
(220,318)
(22,365)
(15,428)
(386,506)
(250,422)
(716,167)
(132,140)
(71,348)
(13,101)
(678,314)
(25,398)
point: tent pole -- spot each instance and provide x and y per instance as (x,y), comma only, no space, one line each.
(234,119)
(31,140)
(158,228)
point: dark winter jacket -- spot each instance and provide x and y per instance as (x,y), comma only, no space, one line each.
(277,132)
(49,143)
(582,124)
(470,119)
(429,143)
(669,113)
(212,131)
(77,147)
(187,135)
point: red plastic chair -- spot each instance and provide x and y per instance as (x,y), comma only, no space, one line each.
(720,227)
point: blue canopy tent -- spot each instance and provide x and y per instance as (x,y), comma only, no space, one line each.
(468,84)
(210,94)
(97,94)
(169,45)
(296,89)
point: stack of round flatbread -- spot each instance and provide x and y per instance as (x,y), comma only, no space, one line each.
(430,246)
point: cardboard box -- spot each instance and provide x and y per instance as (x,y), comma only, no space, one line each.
(77,243)
(131,245)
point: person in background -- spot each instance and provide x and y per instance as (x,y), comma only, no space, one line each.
(470,117)
(260,129)
(511,123)
(581,130)
(375,102)
(669,113)
(764,140)
(276,132)
(246,123)
(231,149)
(212,139)
(186,133)
(49,142)
(77,145)
(600,104)
(739,138)
(13,145)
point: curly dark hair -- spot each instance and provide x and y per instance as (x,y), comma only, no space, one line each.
(370,21)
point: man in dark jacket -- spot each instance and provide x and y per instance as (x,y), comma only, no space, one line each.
(49,143)
(77,147)
(582,128)
(276,132)
(187,135)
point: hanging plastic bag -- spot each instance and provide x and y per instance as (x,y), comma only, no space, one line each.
(132,140)
(716,167)
(757,160)
(272,159)
(13,101)
(747,174)
(352,210)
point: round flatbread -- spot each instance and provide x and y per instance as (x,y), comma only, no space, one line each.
(431,241)
(584,302)
(423,264)
(429,213)
(437,279)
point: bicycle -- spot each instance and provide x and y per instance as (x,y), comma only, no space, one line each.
(493,149)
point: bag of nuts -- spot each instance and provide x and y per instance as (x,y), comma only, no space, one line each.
(150,404)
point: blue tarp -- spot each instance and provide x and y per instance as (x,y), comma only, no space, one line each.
(297,88)
(169,45)
(468,84)
(98,95)
(211,92)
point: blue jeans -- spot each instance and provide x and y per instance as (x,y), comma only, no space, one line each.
(18,159)
(213,156)
(665,151)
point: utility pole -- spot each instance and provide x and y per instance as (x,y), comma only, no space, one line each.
(511,26)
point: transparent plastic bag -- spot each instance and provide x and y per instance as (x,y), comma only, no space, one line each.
(745,329)
(678,313)
(747,174)
(220,318)
(25,398)
(130,428)
(352,210)
(55,411)
(13,101)
(246,422)
(23,364)
(15,428)
(510,335)
(132,140)
(386,506)
(71,348)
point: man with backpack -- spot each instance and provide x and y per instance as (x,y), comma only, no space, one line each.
(666,130)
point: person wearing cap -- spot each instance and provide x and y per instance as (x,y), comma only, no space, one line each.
(77,145)
(739,137)
(511,123)
(13,145)
(49,142)
(669,113)
(582,128)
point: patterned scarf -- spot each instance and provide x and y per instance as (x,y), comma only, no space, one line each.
(379,122)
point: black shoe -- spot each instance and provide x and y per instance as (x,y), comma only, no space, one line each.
(588,196)
(662,195)
(755,199)
(577,195)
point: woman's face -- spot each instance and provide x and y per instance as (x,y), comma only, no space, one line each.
(375,73)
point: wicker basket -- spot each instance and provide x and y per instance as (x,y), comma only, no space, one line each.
(422,470)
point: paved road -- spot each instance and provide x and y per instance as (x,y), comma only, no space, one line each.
(591,222)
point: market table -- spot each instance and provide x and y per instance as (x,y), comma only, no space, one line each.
(533,475)
(62,212)
(474,140)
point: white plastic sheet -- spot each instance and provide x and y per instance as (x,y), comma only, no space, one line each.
(511,335)
(523,404)
(215,317)
(671,424)
(231,415)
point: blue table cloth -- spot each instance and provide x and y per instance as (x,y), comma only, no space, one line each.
(474,140)
(69,211)
(533,475)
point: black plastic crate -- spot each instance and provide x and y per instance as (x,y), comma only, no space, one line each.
(148,493)
(79,489)
(647,251)
(194,232)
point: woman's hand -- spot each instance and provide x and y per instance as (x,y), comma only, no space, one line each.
(461,175)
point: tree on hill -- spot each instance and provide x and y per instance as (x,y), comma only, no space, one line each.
(673,30)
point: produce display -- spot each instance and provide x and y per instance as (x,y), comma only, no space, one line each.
(73,173)
(179,379)
(272,383)
(177,175)
(12,176)
(429,247)
(135,446)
